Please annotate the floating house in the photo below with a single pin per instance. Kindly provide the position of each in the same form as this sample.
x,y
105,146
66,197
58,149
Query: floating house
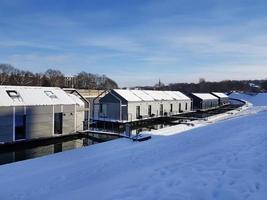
x,y
120,105
39,112
223,98
204,101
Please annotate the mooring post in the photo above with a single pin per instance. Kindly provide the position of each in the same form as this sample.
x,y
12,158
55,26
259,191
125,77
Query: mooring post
x,y
128,130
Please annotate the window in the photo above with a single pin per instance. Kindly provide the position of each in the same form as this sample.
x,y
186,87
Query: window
x,y
149,110
171,108
185,106
13,94
20,127
161,109
180,109
137,112
101,108
50,94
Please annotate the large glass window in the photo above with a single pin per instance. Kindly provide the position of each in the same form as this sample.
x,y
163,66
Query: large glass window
x,y
58,123
20,127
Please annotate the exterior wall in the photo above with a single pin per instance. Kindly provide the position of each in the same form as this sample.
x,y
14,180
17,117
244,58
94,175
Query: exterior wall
x,y
197,103
128,109
69,119
155,108
200,104
80,117
39,120
112,108
208,104
6,124
224,101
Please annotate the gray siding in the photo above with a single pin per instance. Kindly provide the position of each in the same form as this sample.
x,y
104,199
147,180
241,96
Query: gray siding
x,y
68,119
6,124
39,121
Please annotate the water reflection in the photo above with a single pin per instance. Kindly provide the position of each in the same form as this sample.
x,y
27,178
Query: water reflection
x,y
14,155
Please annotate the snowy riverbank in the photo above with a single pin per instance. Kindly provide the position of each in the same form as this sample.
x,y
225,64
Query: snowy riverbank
x,y
222,160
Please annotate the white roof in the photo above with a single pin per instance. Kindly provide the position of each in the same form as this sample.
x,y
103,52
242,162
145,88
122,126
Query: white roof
x,y
205,96
159,95
150,95
142,95
128,95
220,94
177,95
31,96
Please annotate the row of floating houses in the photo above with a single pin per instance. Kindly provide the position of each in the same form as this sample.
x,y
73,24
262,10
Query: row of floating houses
x,y
132,105
43,112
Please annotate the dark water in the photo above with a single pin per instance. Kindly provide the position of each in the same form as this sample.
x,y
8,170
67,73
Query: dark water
x,y
25,152
14,154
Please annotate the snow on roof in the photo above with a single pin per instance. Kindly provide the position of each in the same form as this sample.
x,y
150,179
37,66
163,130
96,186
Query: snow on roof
x,y
142,95
127,95
159,95
77,99
220,94
150,95
205,96
177,95
32,96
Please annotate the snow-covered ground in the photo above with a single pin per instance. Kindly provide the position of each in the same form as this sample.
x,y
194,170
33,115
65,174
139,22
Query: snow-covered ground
x,y
223,160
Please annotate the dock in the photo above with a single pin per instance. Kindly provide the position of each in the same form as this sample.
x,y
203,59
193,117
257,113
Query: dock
x,y
137,137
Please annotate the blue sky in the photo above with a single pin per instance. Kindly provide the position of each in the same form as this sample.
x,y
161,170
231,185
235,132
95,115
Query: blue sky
x,y
137,42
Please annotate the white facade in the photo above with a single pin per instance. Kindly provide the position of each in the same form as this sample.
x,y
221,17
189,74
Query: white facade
x,y
143,104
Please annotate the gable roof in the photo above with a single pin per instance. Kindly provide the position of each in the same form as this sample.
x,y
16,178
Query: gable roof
x,y
128,95
177,95
150,95
159,95
220,94
32,96
205,96
142,95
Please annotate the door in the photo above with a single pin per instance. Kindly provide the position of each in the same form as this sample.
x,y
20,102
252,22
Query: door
x,y
20,127
138,112
58,122
149,110
161,109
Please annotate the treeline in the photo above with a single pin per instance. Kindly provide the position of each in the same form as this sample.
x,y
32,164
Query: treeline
x,y
222,86
10,75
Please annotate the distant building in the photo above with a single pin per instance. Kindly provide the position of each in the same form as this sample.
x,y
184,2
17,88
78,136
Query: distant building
x,y
120,105
70,81
204,101
223,98
38,112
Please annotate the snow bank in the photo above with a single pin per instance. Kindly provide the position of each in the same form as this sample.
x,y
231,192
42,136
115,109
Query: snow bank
x,y
259,99
225,160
